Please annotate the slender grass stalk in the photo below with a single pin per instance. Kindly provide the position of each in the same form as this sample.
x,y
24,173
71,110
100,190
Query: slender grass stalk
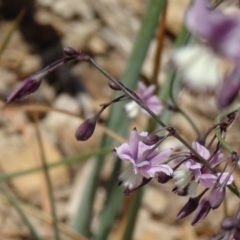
x,y
12,30
135,206
119,124
64,161
48,179
43,216
15,204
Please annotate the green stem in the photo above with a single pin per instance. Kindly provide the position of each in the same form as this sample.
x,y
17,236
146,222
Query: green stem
x,y
21,214
48,180
132,217
218,130
68,160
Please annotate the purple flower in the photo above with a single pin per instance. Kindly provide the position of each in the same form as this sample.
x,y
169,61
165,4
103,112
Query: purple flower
x,y
218,29
146,94
145,162
196,173
220,33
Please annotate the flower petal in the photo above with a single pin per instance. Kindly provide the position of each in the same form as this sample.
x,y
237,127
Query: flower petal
x,y
133,143
217,28
201,150
129,179
124,153
152,170
192,61
161,157
207,180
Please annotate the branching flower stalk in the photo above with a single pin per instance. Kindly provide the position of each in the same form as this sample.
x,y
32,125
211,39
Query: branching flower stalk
x,y
200,163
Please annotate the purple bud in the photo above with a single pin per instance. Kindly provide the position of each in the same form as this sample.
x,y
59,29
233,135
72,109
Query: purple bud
x,y
229,89
219,236
32,83
114,86
70,52
216,196
163,177
188,208
236,234
181,191
202,211
86,129
26,87
151,139
229,223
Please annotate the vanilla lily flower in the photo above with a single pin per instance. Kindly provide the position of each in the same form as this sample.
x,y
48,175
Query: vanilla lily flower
x,y
146,94
145,162
220,36
196,173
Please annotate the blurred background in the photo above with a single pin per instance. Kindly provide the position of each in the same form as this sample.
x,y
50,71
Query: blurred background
x,y
89,205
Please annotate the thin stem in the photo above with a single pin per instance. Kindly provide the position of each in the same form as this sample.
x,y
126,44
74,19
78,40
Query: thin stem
x,y
9,35
218,130
64,161
177,108
48,179
160,40
21,213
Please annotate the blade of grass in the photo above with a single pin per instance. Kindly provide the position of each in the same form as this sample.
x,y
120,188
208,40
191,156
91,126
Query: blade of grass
x,y
116,122
10,33
15,204
136,202
28,209
63,161
132,217
130,75
47,177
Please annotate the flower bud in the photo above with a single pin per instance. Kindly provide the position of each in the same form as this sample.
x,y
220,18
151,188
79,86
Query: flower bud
x,y
26,87
229,223
219,236
181,191
114,86
202,211
188,208
216,196
163,177
229,89
236,234
70,52
86,129
151,139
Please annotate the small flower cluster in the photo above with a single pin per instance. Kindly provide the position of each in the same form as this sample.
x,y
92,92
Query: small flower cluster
x,y
219,34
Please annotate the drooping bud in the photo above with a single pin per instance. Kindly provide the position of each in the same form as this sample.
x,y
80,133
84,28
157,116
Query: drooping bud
x,y
26,87
151,139
202,211
236,234
114,86
219,236
86,129
229,223
181,191
188,208
230,88
216,196
163,177
69,52
32,83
